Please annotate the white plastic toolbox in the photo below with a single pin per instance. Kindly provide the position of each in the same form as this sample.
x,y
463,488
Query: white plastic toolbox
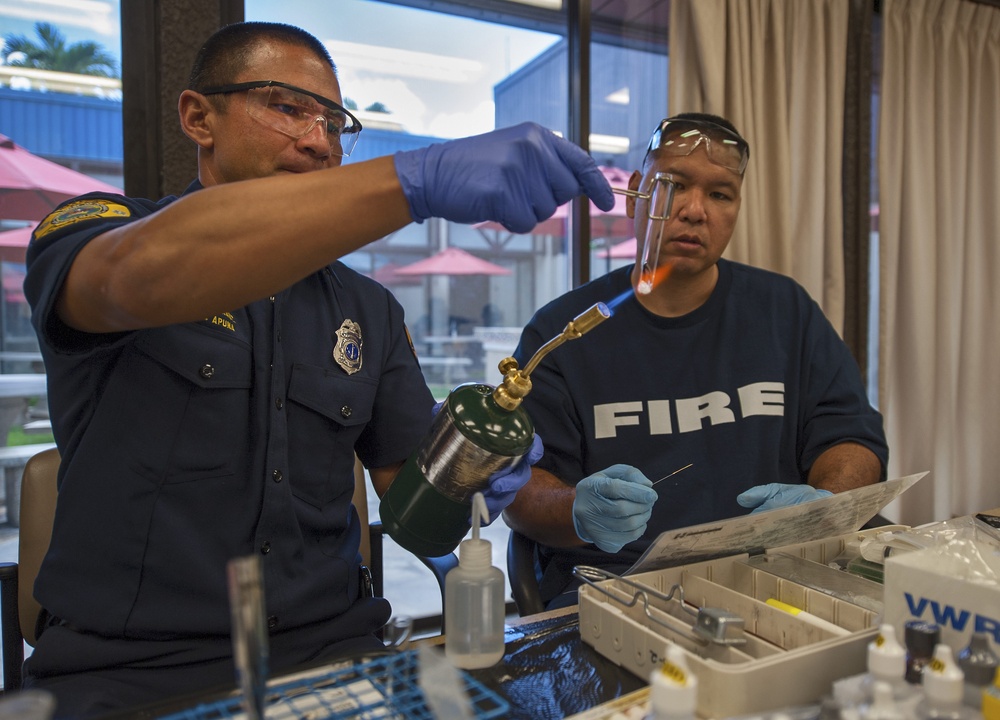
x,y
786,661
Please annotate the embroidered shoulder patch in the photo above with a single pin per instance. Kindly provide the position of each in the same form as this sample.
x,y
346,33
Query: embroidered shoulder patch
x,y
409,339
80,211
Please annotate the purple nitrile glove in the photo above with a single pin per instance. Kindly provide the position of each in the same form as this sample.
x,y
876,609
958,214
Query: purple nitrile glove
x,y
516,176
504,484
612,507
777,495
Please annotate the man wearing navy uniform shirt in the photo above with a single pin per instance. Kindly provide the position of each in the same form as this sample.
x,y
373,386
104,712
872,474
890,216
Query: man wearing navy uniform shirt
x,y
213,370
727,371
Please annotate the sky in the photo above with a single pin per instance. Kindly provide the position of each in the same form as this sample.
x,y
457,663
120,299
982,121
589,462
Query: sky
x,y
435,73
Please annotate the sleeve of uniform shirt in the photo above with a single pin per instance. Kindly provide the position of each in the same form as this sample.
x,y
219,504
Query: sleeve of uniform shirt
x,y
53,247
401,414
550,402
834,401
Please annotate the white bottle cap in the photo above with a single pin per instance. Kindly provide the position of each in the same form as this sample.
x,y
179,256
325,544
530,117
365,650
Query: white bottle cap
x,y
886,657
673,688
943,680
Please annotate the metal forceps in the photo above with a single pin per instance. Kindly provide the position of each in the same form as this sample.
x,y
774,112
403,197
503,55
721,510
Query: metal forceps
x,y
710,625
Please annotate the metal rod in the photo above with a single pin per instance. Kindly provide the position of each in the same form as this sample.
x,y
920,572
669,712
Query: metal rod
x,y
673,473
250,643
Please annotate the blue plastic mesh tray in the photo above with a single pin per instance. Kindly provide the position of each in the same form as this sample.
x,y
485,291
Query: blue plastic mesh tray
x,y
383,687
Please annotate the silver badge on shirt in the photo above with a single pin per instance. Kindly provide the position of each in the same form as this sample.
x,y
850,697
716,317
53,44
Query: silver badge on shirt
x,y
347,352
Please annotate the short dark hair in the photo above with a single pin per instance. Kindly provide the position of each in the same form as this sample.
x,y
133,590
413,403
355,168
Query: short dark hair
x,y
706,117
227,52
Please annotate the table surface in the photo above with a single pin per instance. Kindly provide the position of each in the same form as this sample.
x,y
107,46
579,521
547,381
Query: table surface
x,y
22,385
547,672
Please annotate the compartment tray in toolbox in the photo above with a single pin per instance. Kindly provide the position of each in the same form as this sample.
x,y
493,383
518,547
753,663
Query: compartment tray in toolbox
x,y
787,661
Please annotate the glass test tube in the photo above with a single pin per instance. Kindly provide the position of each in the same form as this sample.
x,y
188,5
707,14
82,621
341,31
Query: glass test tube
x,y
661,200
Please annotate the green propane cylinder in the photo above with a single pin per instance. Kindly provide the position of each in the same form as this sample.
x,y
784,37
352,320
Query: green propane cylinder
x,y
479,431
427,507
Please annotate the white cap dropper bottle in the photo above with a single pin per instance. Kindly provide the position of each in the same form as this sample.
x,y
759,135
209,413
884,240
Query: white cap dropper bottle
x,y
673,693
474,601
887,663
944,686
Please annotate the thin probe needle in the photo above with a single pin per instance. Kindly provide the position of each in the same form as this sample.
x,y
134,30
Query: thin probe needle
x,y
672,474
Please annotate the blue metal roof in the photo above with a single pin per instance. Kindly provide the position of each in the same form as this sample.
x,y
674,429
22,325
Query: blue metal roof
x,y
537,92
60,126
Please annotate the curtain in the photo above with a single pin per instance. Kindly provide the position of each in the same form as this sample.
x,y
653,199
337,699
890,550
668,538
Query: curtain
x,y
776,69
938,160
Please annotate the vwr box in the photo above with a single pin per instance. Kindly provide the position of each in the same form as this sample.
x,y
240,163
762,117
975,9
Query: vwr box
x,y
928,585
778,660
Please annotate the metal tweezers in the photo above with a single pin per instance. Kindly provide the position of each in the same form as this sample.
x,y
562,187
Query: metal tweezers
x,y
711,625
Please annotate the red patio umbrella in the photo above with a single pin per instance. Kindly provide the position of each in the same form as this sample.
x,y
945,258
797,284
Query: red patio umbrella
x,y
13,283
387,275
31,186
14,244
452,261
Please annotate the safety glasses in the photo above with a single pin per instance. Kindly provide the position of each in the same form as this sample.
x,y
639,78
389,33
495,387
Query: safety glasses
x,y
294,112
681,137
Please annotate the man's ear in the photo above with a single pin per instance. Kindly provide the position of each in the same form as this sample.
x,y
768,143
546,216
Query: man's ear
x,y
195,112
633,184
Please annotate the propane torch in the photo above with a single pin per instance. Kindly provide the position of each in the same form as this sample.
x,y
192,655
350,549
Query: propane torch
x,y
479,431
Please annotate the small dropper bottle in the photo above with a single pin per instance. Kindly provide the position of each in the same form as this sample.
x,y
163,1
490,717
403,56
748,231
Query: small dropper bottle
x,y
979,665
883,705
943,683
920,638
887,663
673,693
474,601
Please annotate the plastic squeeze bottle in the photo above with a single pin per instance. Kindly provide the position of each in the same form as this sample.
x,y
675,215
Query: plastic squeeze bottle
x,y
673,692
474,601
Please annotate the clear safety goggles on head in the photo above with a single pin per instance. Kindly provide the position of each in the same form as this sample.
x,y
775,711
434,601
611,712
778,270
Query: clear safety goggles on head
x,y
294,112
681,137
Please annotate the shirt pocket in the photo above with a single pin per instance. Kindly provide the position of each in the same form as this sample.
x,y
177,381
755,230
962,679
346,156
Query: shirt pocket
x,y
327,412
201,392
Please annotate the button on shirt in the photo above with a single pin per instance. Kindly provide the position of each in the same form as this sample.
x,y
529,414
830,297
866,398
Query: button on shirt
x,y
185,446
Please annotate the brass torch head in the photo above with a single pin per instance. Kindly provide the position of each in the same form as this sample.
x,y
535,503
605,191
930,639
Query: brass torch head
x,y
588,320
516,383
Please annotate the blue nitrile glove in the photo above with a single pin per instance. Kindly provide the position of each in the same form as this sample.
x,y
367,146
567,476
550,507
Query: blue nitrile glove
x,y
612,507
777,495
504,484
515,176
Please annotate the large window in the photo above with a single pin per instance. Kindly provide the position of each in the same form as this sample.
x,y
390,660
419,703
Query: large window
x,y
416,77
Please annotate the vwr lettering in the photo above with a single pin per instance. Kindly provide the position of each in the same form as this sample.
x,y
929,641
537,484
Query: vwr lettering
x,y
943,614
762,398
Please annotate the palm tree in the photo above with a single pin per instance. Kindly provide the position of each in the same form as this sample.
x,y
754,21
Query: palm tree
x,y
82,58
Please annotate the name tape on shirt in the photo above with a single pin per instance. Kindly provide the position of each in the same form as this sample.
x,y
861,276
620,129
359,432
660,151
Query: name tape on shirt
x,y
80,211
